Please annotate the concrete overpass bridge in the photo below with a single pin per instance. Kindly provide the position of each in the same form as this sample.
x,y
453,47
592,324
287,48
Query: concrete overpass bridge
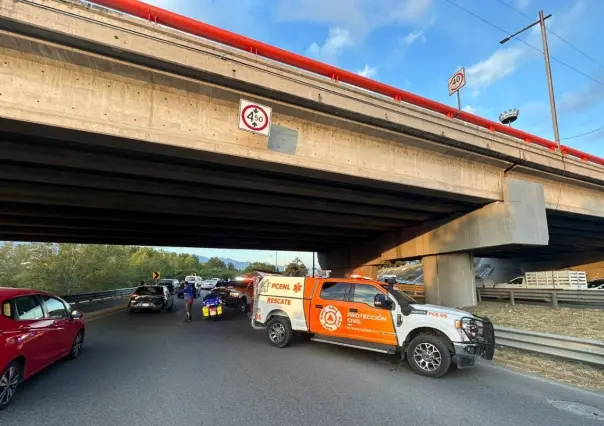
x,y
117,130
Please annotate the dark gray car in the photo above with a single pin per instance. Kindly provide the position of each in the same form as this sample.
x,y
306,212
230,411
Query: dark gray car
x,y
151,298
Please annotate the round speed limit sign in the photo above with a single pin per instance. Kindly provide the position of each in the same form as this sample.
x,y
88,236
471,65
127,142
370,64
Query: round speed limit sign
x,y
254,117
457,81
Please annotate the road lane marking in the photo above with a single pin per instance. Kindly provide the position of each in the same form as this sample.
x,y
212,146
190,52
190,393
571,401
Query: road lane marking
x,y
106,315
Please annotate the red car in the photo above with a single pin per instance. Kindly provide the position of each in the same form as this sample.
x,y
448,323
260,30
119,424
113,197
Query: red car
x,y
36,329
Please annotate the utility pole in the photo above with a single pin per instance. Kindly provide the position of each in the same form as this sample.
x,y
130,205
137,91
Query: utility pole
x,y
548,69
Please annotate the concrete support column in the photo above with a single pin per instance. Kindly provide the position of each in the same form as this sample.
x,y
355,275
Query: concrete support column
x,y
449,280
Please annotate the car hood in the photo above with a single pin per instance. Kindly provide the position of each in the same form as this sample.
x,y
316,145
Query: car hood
x,y
444,310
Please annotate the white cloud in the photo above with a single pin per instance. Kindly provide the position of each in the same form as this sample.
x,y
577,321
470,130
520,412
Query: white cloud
x,y
336,42
522,4
413,36
565,24
358,16
500,64
584,98
506,60
470,109
368,71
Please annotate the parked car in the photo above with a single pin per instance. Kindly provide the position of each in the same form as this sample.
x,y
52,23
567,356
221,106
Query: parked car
x,y
36,329
151,298
209,285
180,291
171,283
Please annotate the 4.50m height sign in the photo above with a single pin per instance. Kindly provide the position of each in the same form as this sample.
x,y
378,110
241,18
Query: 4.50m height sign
x,y
254,117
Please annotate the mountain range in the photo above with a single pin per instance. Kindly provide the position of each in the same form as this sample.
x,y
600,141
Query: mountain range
x,y
238,265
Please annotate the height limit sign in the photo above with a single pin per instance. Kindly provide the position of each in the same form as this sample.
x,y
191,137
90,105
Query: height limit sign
x,y
254,117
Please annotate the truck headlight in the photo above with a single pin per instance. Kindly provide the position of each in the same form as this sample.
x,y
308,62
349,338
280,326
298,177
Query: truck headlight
x,y
234,294
468,327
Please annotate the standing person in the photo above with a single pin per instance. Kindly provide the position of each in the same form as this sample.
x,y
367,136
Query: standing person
x,y
189,295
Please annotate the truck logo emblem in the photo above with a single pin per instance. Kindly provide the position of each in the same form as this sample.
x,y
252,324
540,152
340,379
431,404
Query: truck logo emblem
x,y
330,318
297,287
264,287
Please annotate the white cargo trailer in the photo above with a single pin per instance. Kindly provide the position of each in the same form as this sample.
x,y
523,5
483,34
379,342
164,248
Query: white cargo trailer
x,y
563,280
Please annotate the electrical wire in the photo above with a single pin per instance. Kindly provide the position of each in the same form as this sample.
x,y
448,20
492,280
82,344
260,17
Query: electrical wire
x,y
552,33
583,134
524,42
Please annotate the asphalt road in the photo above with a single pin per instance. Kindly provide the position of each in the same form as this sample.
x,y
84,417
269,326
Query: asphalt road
x,y
100,305
150,369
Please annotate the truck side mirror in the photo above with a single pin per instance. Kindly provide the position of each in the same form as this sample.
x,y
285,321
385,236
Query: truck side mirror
x,y
406,309
381,301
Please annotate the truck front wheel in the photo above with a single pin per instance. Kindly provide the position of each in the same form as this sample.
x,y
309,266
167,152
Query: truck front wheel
x,y
242,306
279,332
429,356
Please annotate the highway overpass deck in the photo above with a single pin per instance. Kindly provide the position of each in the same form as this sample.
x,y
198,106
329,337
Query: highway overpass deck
x,y
116,130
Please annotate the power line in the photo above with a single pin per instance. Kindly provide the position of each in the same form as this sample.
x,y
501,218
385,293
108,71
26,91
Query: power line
x,y
524,42
583,134
553,33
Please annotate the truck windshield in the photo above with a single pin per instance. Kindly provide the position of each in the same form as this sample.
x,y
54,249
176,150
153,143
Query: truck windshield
x,y
401,297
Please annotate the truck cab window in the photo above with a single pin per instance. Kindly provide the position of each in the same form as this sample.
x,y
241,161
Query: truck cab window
x,y
364,293
334,291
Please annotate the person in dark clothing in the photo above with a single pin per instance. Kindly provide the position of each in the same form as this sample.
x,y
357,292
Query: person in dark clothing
x,y
189,295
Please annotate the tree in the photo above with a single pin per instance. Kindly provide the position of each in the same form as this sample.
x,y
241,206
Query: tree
x,y
76,268
296,268
215,263
261,266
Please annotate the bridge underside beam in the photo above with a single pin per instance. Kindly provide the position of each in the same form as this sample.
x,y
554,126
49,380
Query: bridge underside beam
x,y
446,249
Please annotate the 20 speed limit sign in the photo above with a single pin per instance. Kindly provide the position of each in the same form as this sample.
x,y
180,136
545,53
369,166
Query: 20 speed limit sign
x,y
254,117
457,81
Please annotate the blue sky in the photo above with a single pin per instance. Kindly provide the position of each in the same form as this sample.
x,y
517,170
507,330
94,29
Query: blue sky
x,y
417,44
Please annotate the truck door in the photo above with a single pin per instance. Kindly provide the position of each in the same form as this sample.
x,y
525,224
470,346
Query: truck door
x,y
367,322
328,309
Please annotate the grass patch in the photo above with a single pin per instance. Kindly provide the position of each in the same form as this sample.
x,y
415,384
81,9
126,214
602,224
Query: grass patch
x,y
570,372
582,323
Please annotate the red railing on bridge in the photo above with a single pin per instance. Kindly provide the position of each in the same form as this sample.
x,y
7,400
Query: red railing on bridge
x,y
192,26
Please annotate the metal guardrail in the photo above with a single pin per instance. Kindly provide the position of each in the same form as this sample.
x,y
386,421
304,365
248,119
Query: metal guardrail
x,y
593,298
415,291
89,297
590,351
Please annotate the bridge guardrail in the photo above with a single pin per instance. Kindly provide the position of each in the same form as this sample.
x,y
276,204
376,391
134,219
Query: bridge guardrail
x,y
590,351
593,298
191,26
415,291
99,295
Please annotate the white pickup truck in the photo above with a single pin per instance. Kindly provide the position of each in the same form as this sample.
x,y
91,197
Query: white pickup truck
x,y
358,312
563,280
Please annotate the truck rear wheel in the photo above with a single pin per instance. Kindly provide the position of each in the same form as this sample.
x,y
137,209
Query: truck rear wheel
x,y
279,332
429,356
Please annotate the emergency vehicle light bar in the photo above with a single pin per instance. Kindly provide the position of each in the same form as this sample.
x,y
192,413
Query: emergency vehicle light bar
x,y
359,277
